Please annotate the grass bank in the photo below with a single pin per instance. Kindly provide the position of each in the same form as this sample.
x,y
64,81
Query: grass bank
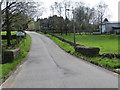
x,y
104,62
24,46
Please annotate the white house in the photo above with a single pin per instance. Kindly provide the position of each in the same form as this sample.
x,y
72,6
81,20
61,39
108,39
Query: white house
x,y
110,27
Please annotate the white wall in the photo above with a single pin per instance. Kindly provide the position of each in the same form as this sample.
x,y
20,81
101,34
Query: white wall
x,y
110,25
103,28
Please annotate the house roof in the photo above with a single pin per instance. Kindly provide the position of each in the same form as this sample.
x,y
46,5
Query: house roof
x,y
113,22
116,27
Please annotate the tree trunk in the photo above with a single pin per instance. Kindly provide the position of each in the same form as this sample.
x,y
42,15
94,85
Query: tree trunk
x,y
8,38
101,24
8,25
61,31
66,28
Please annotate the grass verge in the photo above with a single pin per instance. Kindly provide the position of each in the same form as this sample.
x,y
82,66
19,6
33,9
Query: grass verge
x,y
110,64
6,68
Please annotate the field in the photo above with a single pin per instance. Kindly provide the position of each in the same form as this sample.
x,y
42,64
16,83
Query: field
x,y
106,43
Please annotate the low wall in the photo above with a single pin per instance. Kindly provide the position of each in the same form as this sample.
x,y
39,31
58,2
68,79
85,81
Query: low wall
x,y
110,55
12,37
10,55
88,51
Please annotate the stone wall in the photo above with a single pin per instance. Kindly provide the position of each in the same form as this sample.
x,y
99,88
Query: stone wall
x,y
12,37
110,55
88,51
10,55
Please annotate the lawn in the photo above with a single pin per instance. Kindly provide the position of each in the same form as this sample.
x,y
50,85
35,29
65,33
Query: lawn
x,y
8,67
12,32
106,43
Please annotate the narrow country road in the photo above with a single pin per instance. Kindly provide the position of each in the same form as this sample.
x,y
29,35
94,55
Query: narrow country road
x,y
48,66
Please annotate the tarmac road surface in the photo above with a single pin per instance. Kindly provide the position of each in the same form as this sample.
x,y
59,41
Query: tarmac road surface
x,y
48,66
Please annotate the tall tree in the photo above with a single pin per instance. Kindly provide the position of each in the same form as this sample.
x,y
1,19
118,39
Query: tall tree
x,y
0,31
66,5
85,17
14,12
57,8
101,9
1,14
52,8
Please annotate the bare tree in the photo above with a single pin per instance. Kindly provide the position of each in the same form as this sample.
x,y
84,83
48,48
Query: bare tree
x,y
84,17
1,14
52,9
56,8
0,30
101,9
66,5
59,10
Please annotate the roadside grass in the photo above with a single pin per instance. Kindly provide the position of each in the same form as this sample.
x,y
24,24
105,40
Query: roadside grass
x,y
109,63
106,43
62,44
24,46
105,62
12,32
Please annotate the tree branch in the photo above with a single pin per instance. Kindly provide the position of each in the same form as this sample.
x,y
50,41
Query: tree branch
x,y
7,7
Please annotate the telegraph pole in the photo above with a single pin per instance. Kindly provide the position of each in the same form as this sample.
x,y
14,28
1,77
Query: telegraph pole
x,y
74,36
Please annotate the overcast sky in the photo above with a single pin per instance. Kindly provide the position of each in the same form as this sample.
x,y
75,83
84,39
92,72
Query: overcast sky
x,y
112,6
